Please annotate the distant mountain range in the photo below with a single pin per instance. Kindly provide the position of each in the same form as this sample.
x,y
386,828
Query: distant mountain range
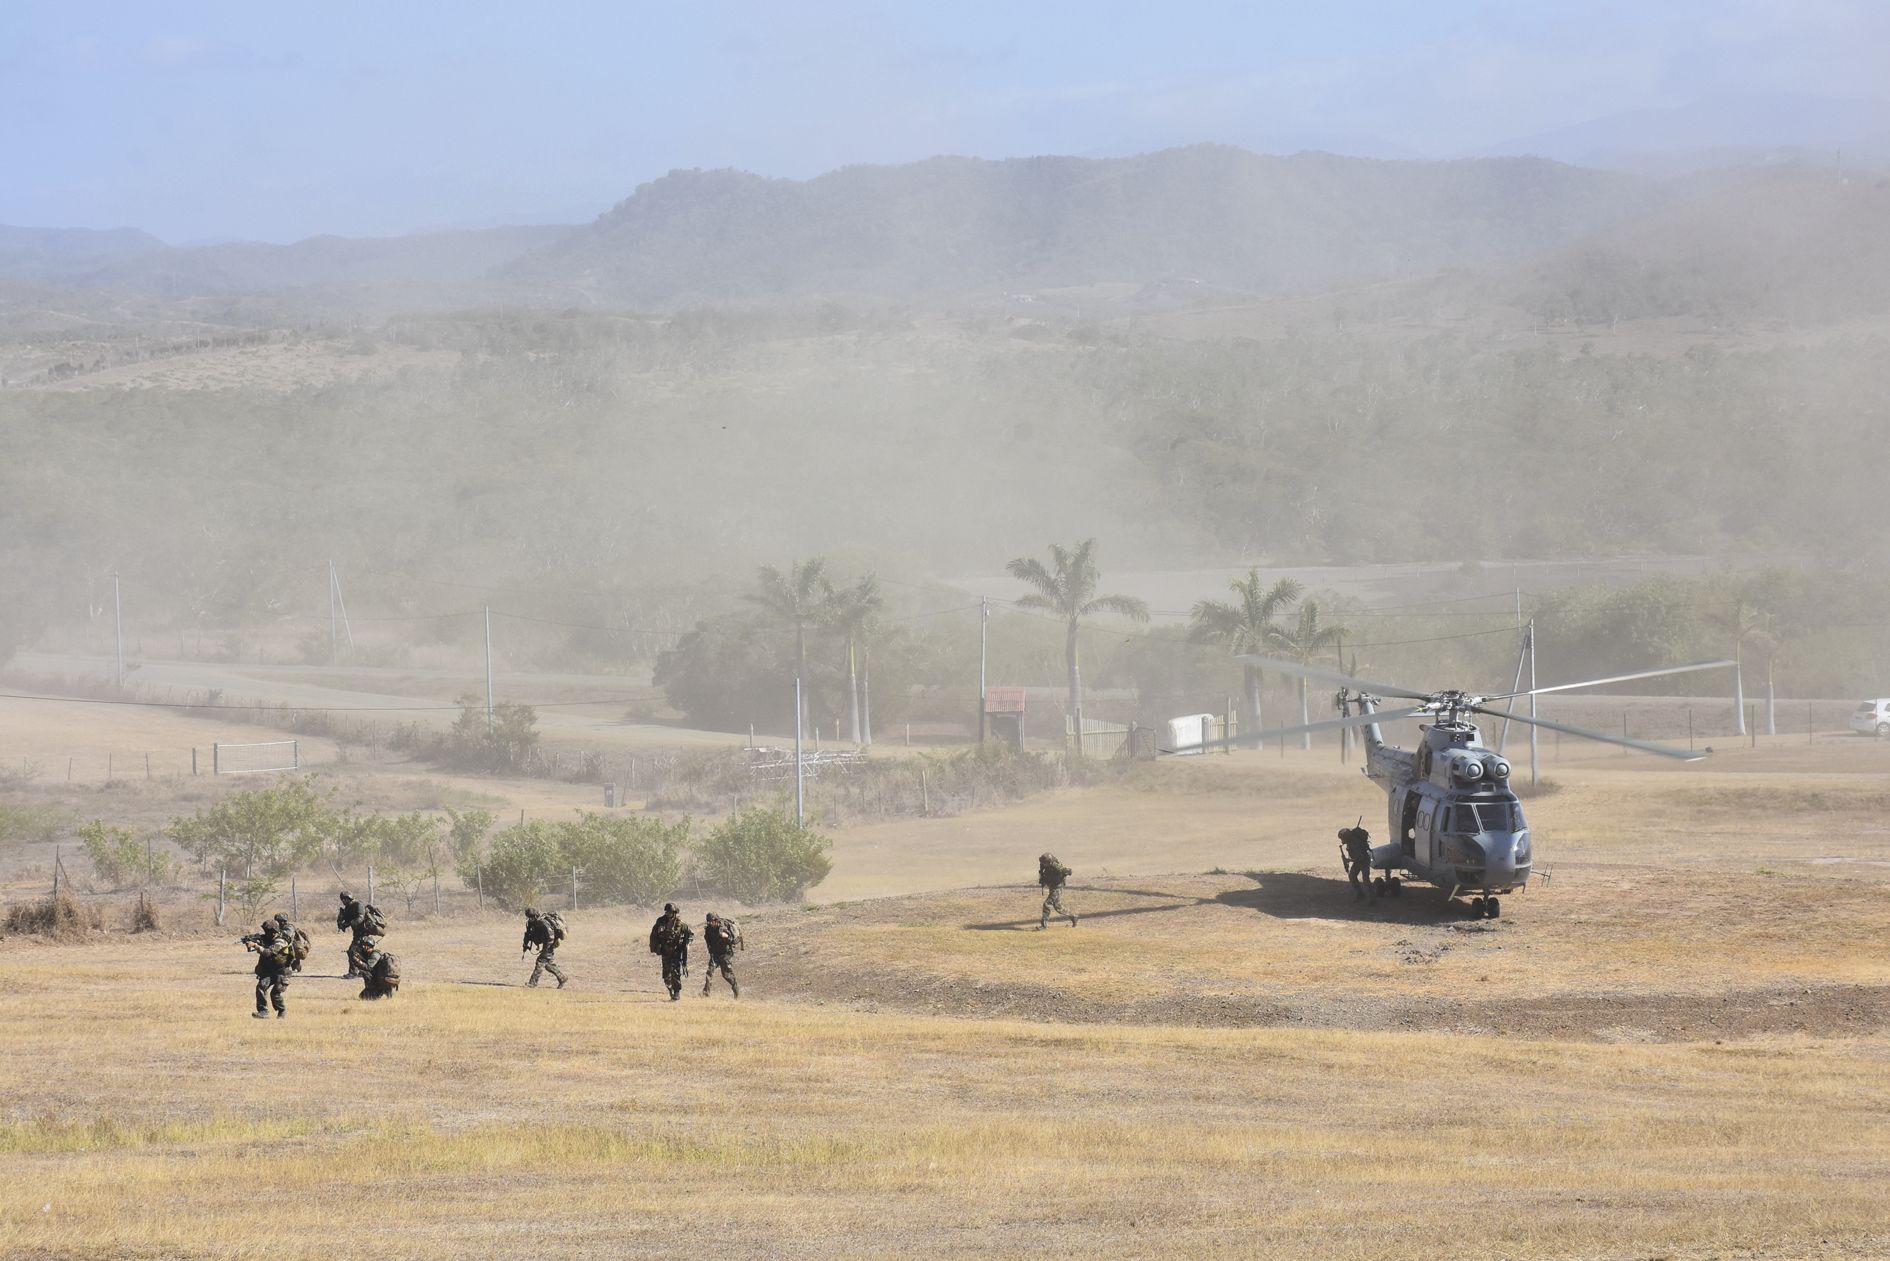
x,y
1207,220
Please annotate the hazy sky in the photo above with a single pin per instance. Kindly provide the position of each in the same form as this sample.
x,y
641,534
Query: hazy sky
x,y
276,121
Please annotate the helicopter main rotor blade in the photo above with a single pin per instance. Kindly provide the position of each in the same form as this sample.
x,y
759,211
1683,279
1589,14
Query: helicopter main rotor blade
x,y
1331,724
1280,666
1645,746
1619,678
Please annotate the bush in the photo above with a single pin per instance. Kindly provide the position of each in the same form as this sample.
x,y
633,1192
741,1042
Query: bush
x,y
60,918
525,860
625,859
275,829
120,860
507,745
762,855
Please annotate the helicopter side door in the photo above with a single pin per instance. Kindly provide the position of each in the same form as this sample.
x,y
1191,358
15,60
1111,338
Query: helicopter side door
x,y
1408,823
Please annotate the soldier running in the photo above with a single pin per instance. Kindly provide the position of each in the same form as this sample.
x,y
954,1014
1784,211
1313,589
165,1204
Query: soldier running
x,y
724,938
546,932
1051,874
670,938
274,955
1357,851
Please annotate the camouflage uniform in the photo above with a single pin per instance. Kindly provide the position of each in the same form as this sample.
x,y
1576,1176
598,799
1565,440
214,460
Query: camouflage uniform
x,y
1358,862
723,938
353,917
539,933
364,949
380,972
1051,874
670,938
274,954
298,941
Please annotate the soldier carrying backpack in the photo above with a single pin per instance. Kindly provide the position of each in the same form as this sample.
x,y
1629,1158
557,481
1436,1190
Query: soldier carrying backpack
x,y
546,932
380,972
299,944
1051,874
670,938
364,922
274,956
723,937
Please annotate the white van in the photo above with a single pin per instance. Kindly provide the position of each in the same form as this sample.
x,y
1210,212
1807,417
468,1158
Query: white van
x,y
1872,718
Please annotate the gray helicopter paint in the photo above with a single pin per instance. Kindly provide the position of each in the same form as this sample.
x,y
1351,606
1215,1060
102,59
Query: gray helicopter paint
x,y
1435,801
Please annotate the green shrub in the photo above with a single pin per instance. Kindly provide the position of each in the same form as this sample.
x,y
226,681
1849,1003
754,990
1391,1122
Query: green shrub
x,y
120,859
762,855
526,859
625,858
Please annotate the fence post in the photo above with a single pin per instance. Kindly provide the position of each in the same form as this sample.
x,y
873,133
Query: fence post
x,y
295,753
1752,723
925,795
574,904
216,758
193,761
1808,721
295,900
108,768
436,890
1689,728
56,867
222,875
147,766
69,768
370,884
479,880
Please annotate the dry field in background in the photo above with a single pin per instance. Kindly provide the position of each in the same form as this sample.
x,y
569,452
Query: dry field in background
x,y
1678,1047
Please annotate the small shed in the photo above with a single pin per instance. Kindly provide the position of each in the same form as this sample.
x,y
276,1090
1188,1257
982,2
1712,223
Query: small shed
x,y
1004,714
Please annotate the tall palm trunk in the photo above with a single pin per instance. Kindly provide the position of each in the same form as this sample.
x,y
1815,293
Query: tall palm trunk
x,y
1305,716
1739,694
1253,705
866,697
853,688
1076,685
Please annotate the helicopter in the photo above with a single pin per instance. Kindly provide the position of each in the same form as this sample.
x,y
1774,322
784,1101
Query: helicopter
x,y
1455,821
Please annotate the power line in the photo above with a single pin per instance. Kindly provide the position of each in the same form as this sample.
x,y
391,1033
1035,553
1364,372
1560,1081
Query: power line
x,y
285,707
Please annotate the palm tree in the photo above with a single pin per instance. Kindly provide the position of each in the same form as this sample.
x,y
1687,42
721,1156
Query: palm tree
x,y
1245,626
1305,639
851,610
795,599
1067,588
1743,623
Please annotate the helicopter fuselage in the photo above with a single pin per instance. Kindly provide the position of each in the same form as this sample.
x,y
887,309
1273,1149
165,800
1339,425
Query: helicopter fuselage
x,y
1452,816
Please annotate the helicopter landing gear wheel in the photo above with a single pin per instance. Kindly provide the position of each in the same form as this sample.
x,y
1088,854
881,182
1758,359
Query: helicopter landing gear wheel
x,y
1476,908
1394,886
1883,730
1492,908
1378,885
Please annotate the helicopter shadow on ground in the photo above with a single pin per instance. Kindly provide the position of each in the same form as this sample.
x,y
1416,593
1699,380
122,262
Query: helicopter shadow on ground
x,y
1302,895
1172,902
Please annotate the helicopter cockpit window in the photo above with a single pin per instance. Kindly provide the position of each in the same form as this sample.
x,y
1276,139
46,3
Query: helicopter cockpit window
x,y
1484,816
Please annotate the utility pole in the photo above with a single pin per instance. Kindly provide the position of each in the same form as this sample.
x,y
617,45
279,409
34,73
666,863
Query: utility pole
x,y
800,790
984,621
1534,731
118,619
488,669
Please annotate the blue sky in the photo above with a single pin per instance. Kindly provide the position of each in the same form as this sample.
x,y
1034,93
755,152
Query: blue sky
x,y
277,121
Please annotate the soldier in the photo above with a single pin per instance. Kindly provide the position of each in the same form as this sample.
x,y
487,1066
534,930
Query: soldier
x,y
1357,856
670,937
380,971
298,941
363,921
546,932
724,938
273,959
1051,874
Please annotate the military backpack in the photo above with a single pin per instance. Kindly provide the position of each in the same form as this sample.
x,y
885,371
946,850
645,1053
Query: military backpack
x,y
373,920
554,925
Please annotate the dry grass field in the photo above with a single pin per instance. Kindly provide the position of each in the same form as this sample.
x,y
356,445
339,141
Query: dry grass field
x,y
1679,1046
